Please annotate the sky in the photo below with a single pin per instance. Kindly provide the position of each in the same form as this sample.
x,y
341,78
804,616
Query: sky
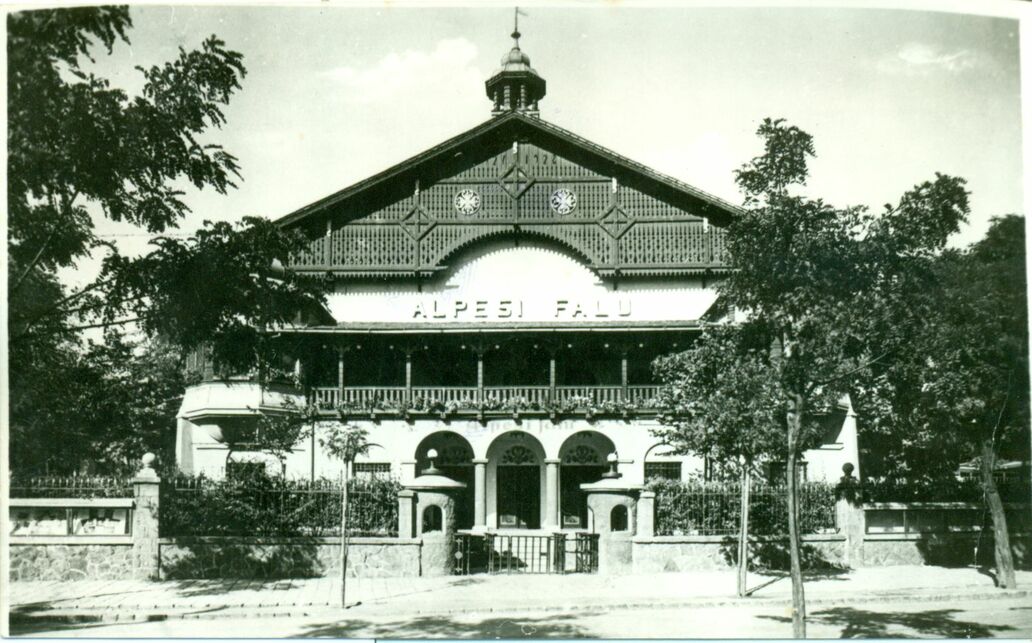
x,y
335,94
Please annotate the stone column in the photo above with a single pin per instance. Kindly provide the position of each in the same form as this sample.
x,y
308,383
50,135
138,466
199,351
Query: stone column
x,y
615,548
435,490
646,515
406,527
146,554
480,494
552,493
849,517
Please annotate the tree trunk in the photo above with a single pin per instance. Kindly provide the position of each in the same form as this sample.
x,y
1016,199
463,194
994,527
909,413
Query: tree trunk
x,y
795,420
743,532
344,535
1001,538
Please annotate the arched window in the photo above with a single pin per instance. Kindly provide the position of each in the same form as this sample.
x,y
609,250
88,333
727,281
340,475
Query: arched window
x,y
433,519
618,518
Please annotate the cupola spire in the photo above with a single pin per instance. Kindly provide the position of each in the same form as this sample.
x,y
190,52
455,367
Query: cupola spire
x,y
516,87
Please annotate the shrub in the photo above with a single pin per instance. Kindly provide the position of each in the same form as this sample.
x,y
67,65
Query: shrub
x,y
260,505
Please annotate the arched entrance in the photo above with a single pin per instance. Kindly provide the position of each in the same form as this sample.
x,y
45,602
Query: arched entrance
x,y
583,460
454,460
517,457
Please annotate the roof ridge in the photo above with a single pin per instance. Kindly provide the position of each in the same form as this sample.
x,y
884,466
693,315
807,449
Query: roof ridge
x,y
494,123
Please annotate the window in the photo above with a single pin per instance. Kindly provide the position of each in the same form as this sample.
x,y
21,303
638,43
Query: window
x,y
370,470
618,518
663,470
432,519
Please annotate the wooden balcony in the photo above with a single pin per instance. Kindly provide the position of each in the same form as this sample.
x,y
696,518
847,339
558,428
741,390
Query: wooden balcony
x,y
432,400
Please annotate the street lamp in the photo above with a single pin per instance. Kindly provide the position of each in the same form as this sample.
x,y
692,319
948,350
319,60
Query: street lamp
x,y
431,455
612,473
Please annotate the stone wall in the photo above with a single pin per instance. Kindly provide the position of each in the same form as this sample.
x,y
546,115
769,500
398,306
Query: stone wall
x,y
70,561
287,557
690,553
941,549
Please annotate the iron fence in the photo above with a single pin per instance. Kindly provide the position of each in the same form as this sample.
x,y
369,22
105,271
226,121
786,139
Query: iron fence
x,y
70,487
264,506
700,508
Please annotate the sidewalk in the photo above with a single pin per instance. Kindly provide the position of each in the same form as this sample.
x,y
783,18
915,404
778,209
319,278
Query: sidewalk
x,y
139,600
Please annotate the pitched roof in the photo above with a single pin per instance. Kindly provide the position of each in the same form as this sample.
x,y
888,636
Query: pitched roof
x,y
498,133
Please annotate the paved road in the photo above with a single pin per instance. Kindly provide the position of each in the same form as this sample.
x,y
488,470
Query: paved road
x,y
1010,618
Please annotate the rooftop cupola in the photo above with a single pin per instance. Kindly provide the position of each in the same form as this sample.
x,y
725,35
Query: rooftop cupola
x,y
515,87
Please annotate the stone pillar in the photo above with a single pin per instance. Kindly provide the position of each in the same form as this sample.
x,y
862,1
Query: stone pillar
x,y
552,493
646,515
436,492
146,555
480,494
615,546
406,509
849,517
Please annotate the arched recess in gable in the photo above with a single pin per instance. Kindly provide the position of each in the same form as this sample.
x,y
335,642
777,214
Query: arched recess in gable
x,y
588,254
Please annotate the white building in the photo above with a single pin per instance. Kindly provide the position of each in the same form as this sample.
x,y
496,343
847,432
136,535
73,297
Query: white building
x,y
498,298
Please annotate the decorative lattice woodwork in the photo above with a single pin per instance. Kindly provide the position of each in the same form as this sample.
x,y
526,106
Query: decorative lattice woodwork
x,y
615,228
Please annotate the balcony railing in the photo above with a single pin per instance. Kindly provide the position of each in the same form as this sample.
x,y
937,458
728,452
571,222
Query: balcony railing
x,y
624,399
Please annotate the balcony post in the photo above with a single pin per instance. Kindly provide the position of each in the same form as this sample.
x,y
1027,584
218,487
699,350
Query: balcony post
x,y
551,376
623,375
408,374
480,373
340,373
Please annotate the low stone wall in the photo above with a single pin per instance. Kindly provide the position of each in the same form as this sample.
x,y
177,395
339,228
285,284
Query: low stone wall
x,y
941,549
690,553
67,560
227,557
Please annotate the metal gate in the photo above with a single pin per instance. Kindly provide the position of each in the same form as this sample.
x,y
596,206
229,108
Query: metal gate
x,y
524,554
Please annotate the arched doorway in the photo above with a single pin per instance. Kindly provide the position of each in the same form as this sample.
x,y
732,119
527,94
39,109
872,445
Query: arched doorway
x,y
454,460
583,460
517,457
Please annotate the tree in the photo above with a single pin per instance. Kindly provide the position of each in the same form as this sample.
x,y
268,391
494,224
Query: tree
x,y
963,379
826,285
96,407
80,149
719,400
345,442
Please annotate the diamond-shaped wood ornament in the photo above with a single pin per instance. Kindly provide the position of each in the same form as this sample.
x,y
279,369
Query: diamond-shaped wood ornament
x,y
615,221
417,222
515,182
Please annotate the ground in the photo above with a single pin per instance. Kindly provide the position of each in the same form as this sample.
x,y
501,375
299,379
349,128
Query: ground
x,y
1010,618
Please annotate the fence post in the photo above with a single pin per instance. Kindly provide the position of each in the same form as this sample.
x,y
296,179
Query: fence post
x,y
849,516
405,503
146,555
646,514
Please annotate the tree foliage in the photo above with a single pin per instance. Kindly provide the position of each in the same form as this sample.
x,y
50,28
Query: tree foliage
x,y
75,141
827,286
959,387
98,409
81,150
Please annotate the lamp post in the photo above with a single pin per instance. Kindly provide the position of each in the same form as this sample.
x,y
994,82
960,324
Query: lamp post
x,y
612,474
432,470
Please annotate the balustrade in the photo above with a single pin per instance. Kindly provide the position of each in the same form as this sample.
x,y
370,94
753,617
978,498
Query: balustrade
x,y
536,397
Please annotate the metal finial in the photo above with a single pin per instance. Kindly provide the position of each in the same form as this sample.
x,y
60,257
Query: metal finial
x,y
516,27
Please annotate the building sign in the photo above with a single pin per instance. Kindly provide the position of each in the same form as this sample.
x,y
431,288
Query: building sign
x,y
569,309
526,284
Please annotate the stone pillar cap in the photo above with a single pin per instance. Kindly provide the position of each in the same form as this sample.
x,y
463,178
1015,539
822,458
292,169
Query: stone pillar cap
x,y
611,485
434,483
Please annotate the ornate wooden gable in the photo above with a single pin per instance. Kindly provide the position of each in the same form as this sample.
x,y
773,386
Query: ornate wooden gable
x,y
519,177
